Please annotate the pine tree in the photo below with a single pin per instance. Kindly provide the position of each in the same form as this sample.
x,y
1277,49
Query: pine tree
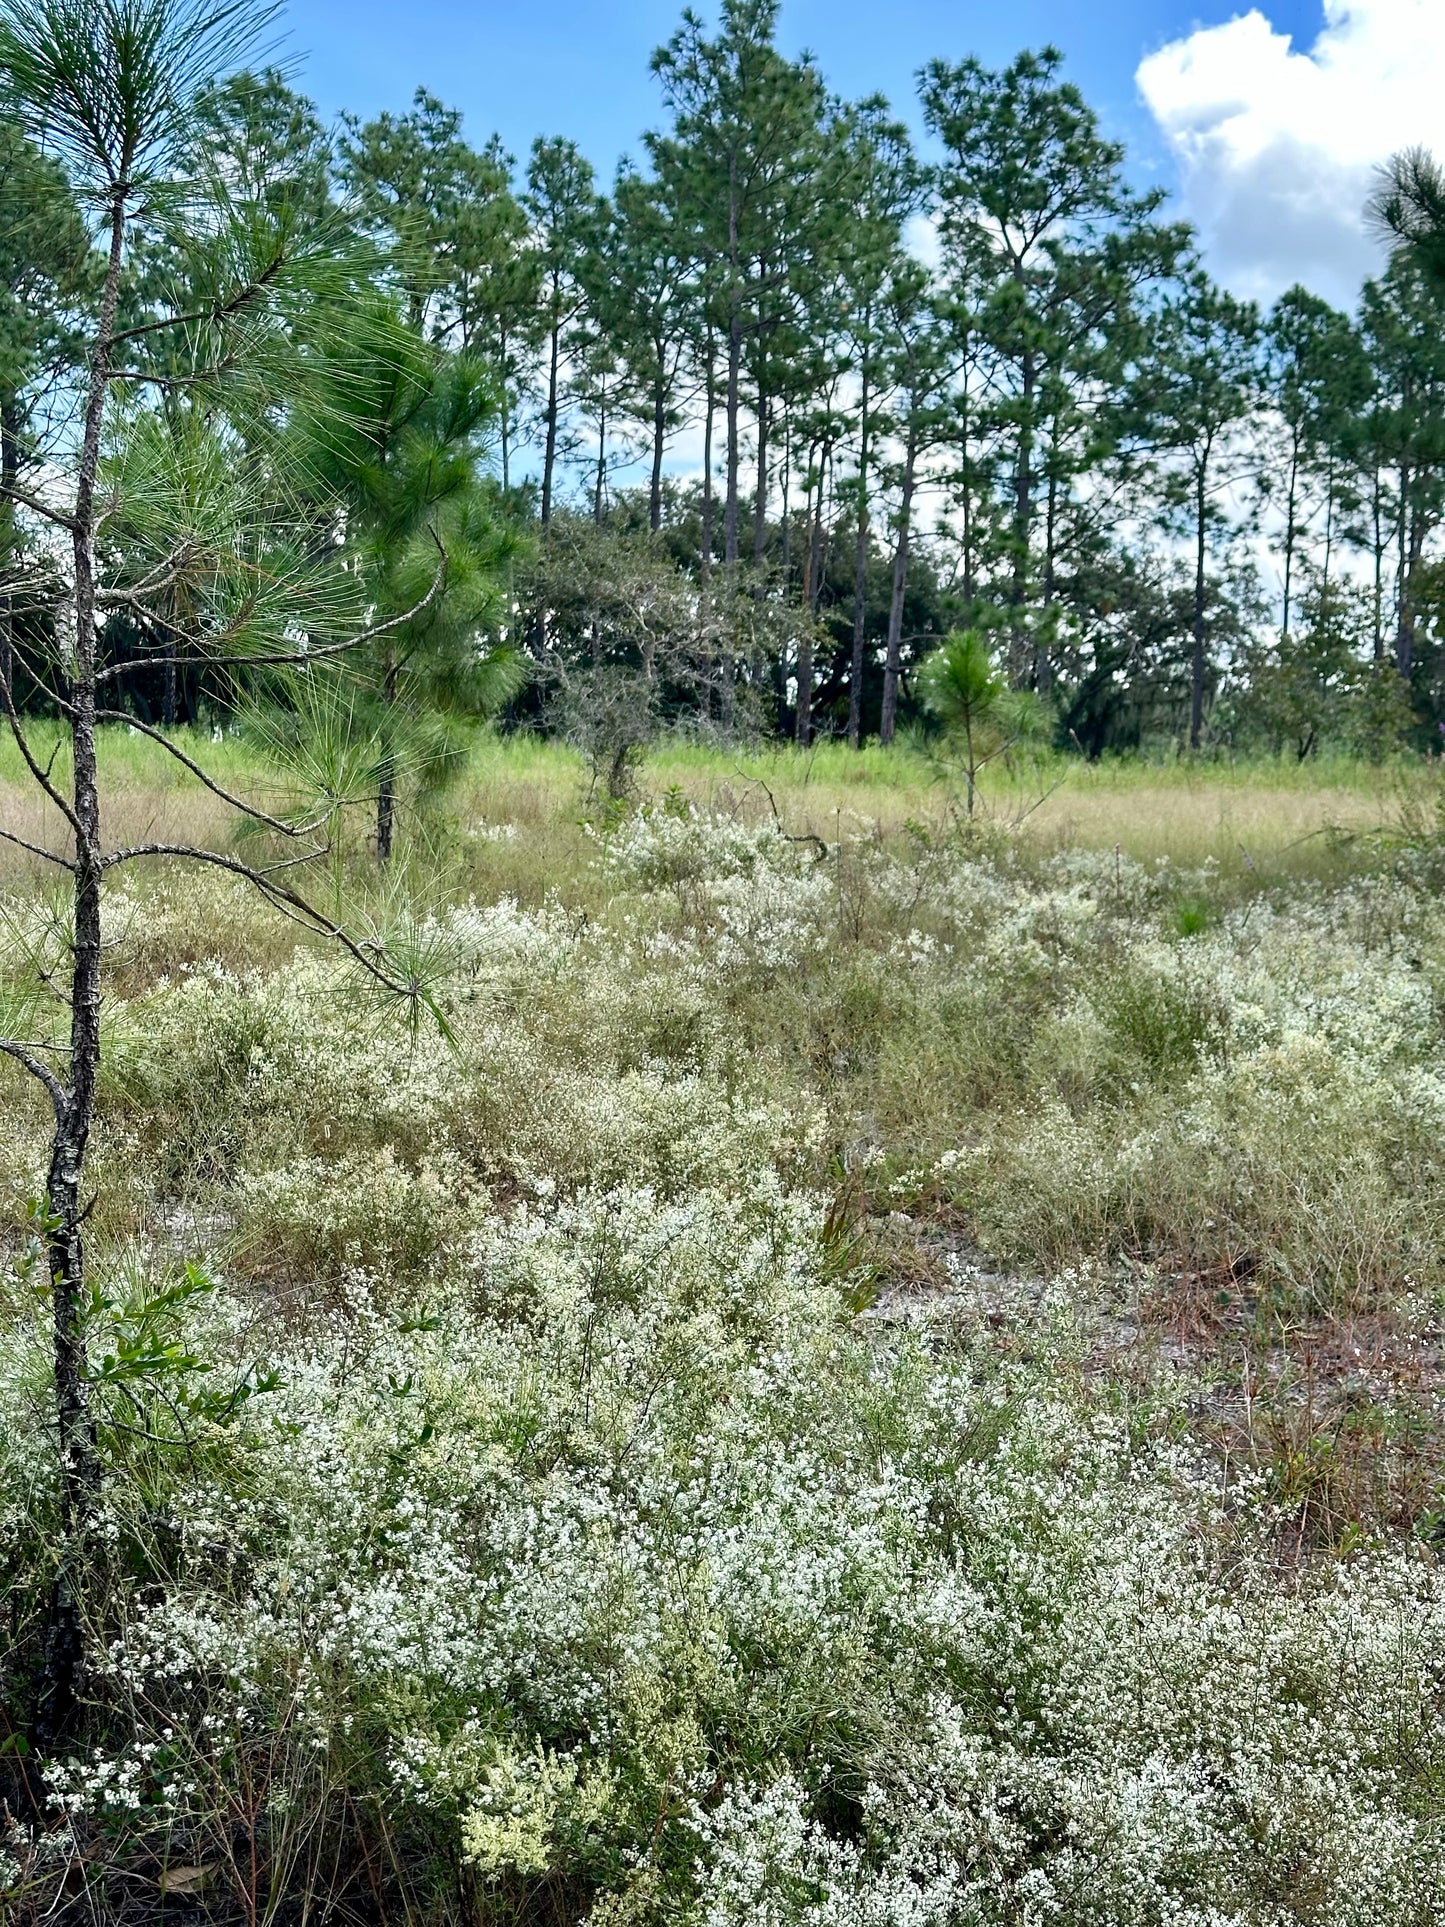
x,y
566,216
1198,388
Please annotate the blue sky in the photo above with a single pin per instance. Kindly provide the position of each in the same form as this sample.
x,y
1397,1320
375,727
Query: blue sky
x,y
1267,120
580,68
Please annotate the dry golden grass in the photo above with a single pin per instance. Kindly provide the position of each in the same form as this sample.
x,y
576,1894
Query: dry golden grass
x,y
1238,814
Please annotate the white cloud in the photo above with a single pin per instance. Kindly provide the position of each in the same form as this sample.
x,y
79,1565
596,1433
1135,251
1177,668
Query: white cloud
x,y
1277,145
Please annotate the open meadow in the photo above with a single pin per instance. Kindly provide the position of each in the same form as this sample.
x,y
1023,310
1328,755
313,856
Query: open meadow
x,y
849,1366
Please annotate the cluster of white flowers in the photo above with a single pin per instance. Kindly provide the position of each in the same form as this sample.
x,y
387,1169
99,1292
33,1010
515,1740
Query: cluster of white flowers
x,y
657,848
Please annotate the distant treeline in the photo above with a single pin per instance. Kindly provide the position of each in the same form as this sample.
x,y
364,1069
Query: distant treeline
x,y
786,405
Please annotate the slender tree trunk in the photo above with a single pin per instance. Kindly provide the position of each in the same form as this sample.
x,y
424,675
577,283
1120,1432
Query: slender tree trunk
x,y
1405,648
1404,618
386,789
1379,546
710,411
803,719
760,506
549,457
10,423
785,560
967,497
893,662
735,363
1329,527
860,570
812,592
1196,703
80,1473
732,405
659,443
1023,518
1289,538
168,670
968,577
826,500
599,486
780,677
506,418
1043,659
803,713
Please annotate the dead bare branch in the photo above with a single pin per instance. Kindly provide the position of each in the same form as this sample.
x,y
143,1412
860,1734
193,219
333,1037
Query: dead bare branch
x,y
25,1056
252,810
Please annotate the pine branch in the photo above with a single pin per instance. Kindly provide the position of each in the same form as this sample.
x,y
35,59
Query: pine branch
x,y
237,803
42,776
285,899
25,1056
298,658
218,311
9,836
27,501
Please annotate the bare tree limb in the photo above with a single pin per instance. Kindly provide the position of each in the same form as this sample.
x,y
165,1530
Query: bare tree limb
x,y
236,802
9,836
280,894
24,1056
42,776
259,873
36,506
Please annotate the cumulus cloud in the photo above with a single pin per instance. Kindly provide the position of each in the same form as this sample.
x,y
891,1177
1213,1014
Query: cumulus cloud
x,y
1277,144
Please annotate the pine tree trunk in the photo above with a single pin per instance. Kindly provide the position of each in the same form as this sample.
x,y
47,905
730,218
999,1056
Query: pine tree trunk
x,y
785,559
386,789
892,667
1289,539
1196,703
1023,519
760,506
1404,618
816,553
860,575
505,423
1043,658
705,548
80,1471
659,442
599,487
549,458
1379,649
733,404
10,422
812,519
735,362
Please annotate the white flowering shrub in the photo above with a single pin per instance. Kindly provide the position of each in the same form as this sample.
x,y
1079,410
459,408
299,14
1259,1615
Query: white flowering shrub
x,y
653,848
634,1565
